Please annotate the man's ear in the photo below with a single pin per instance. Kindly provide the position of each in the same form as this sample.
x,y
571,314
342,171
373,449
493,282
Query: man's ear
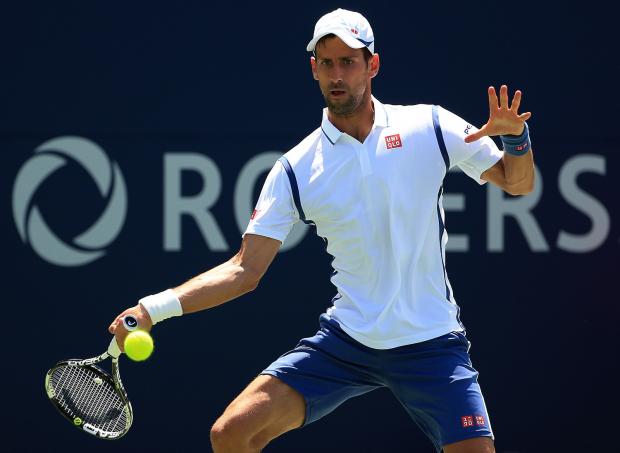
x,y
313,65
375,64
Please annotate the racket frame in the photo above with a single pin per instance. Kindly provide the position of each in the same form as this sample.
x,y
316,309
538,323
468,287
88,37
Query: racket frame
x,y
115,380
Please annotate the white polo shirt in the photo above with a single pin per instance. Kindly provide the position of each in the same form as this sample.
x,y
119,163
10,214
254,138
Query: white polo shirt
x,y
378,205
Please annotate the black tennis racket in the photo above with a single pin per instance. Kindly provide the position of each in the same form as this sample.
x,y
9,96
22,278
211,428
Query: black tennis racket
x,y
90,398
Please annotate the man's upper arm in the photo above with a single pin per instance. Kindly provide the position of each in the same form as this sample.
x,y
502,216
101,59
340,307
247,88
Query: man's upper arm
x,y
275,213
495,174
256,254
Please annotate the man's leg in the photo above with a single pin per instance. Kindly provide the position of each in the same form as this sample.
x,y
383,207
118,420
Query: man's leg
x,y
300,387
438,386
477,445
263,411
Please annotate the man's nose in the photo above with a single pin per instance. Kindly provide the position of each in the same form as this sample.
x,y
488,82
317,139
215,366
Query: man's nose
x,y
335,75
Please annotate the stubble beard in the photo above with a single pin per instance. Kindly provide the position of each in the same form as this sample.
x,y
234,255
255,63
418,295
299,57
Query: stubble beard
x,y
345,108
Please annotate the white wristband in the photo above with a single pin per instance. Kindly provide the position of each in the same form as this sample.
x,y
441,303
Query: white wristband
x,y
162,306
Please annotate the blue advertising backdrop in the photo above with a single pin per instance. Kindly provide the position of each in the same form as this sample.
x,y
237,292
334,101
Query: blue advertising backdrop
x,y
186,105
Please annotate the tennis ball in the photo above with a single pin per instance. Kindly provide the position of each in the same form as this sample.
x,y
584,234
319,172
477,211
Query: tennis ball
x,y
138,345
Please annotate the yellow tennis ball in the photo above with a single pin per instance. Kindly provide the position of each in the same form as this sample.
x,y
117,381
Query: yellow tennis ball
x,y
138,345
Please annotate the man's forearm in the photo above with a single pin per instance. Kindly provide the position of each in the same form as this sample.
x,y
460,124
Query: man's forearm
x,y
216,286
519,173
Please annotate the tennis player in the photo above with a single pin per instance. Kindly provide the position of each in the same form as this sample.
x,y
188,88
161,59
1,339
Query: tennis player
x,y
370,178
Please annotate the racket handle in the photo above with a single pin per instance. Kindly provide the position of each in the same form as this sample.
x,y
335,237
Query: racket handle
x,y
113,349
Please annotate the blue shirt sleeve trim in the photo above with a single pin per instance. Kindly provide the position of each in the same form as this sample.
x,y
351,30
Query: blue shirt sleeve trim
x,y
439,135
293,181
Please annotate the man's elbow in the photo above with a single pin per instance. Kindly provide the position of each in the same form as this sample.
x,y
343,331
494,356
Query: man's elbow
x,y
251,285
529,188
523,187
520,190
247,274
251,279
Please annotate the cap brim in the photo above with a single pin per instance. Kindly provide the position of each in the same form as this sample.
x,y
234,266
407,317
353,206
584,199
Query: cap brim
x,y
349,40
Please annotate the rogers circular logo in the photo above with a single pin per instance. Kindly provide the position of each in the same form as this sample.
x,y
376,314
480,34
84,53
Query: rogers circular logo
x,y
31,226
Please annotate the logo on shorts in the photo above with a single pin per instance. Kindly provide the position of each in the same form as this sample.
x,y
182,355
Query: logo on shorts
x,y
393,141
469,420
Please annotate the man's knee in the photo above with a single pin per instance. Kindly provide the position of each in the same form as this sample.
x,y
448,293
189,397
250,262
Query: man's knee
x,y
219,435
230,434
241,427
266,409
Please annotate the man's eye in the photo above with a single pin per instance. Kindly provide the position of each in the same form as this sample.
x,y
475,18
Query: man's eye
x,y
325,62
348,61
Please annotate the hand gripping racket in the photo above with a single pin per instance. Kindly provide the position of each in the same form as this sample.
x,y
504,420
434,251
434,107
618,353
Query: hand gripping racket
x,y
88,396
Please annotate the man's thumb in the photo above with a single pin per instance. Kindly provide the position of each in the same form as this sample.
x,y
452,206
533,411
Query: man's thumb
x,y
472,138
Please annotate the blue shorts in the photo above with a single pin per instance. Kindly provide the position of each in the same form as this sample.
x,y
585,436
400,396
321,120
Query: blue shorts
x,y
434,380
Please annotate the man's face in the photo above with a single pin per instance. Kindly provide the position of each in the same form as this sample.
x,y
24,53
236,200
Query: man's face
x,y
343,75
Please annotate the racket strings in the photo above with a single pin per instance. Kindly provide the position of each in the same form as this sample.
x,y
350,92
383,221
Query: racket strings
x,y
82,392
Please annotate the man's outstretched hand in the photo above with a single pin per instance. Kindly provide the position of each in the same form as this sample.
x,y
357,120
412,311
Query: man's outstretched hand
x,y
503,119
117,328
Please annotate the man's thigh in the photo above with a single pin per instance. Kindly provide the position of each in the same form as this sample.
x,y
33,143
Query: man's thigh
x,y
300,387
327,369
264,410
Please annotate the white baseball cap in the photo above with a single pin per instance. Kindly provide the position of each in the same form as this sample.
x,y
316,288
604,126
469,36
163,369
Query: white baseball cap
x,y
351,27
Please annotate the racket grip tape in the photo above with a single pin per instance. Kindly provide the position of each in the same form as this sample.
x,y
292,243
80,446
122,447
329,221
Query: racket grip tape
x,y
113,349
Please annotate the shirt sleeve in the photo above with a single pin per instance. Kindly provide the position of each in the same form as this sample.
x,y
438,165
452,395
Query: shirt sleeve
x,y
473,158
275,213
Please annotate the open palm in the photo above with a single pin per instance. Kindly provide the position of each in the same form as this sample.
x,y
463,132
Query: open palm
x,y
503,119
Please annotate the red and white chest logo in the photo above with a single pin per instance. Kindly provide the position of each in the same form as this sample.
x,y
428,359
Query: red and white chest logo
x,y
393,141
256,211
